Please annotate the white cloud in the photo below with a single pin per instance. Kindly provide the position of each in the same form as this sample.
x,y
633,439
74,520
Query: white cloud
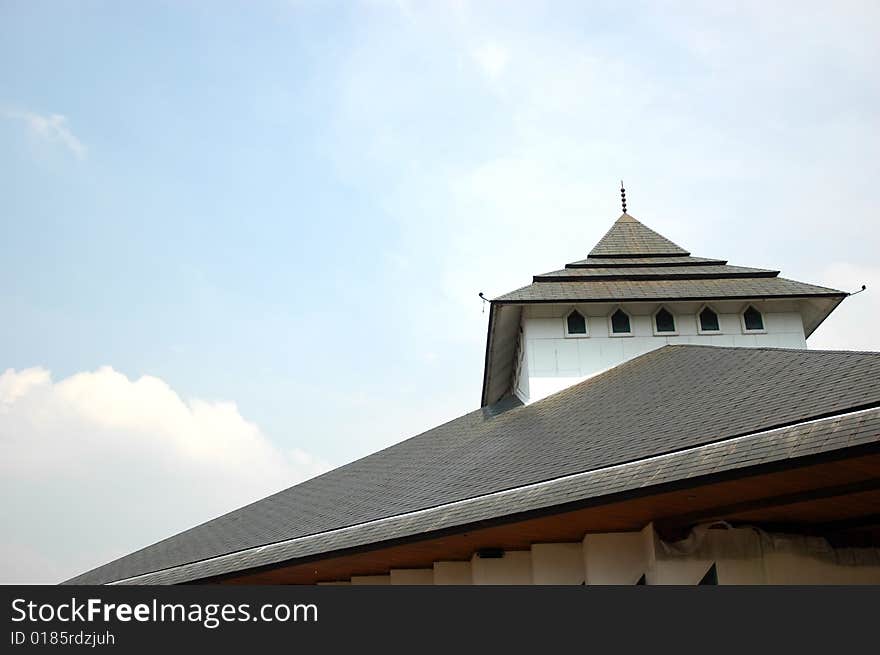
x,y
492,58
51,127
96,465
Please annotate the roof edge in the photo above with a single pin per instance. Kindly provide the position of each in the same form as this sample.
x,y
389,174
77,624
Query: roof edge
x,y
587,264
624,255
562,301
655,276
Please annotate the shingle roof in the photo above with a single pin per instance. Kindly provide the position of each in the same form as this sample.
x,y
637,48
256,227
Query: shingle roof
x,y
593,262
708,394
629,237
804,439
632,262
653,272
635,289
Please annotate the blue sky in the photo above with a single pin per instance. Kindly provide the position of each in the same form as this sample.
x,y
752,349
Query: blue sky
x,y
286,209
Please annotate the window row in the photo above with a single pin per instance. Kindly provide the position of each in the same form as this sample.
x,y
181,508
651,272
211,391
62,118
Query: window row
x,y
664,322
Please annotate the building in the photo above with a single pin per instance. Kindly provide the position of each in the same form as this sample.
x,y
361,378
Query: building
x,y
647,417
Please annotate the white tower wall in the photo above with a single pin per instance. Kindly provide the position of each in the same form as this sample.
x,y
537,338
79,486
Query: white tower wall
x,y
550,360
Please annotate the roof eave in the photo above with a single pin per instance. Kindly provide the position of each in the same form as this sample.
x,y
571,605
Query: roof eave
x,y
655,276
638,255
660,299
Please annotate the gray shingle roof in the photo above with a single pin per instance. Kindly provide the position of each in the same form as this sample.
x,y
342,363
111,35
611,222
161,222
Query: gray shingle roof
x,y
632,262
629,237
591,262
653,272
599,290
624,415
813,438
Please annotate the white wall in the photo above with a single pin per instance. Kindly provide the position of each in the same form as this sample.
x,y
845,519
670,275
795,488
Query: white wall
x,y
552,361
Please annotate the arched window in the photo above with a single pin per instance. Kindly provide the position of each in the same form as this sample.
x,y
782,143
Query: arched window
x,y
752,319
664,321
575,324
620,323
709,320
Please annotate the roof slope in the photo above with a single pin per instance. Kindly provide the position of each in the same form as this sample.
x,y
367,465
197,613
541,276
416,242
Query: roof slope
x,y
684,271
629,237
846,431
624,415
631,253
673,287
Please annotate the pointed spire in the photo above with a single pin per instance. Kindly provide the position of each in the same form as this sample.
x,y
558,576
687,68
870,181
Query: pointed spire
x,y
629,238
623,196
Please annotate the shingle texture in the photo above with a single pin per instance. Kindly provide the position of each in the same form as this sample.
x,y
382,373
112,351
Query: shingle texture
x,y
648,272
595,290
671,399
629,237
681,260
632,262
850,430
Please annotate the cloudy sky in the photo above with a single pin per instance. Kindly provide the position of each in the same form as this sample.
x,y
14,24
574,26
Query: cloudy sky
x,y
242,243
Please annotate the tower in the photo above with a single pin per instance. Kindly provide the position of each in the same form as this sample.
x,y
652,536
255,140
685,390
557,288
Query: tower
x,y
637,291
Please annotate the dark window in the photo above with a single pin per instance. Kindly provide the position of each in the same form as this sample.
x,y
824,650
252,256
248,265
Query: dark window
x,y
709,320
753,319
665,321
577,324
620,322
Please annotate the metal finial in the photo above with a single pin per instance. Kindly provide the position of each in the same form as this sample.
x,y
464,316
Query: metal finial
x,y
623,196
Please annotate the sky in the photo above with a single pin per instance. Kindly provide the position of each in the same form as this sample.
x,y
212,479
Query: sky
x,y
241,243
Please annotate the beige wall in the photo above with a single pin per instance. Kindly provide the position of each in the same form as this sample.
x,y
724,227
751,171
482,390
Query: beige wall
x,y
412,576
515,567
740,556
558,564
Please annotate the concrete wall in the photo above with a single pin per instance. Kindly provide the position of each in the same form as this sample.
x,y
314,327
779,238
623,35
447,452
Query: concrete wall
x,y
558,564
514,567
740,556
412,576
452,573
619,558
551,361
